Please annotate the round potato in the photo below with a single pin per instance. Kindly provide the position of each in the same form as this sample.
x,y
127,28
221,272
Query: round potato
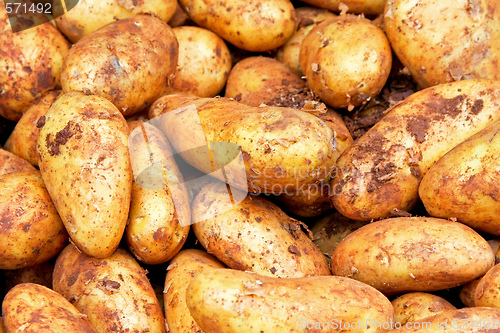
x,y
368,7
85,16
204,62
10,163
251,25
411,307
346,61
413,254
116,63
31,231
442,41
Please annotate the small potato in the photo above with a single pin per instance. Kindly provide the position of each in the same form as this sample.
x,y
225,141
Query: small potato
x,y
85,16
31,231
411,307
116,63
229,301
179,18
85,163
368,7
413,254
346,61
10,163
442,41
467,293
22,140
251,25
185,266
39,274
114,293
487,291
204,62
33,308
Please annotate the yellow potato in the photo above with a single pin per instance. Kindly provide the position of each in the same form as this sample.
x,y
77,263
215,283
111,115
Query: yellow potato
x,y
186,265
32,308
382,170
116,62
487,291
85,163
31,231
411,307
463,184
467,292
10,163
413,254
2,328
251,25
114,293
369,7
229,301
442,41
254,235
85,16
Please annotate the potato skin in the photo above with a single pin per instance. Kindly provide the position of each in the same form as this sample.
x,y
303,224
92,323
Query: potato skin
x,y
10,163
487,292
227,301
463,183
114,292
411,307
90,15
467,293
31,231
186,265
22,140
251,25
160,213
441,41
254,235
369,7
114,62
413,254
382,170
86,139
33,308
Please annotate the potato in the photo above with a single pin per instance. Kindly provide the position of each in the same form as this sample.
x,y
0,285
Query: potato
x,y
383,169
33,308
204,62
463,184
127,62
2,328
369,7
442,41
282,149
254,235
160,213
186,265
179,18
411,307
250,25
114,293
413,254
227,301
467,292
487,291
85,16
31,231
30,64
10,163
85,138
39,274
22,140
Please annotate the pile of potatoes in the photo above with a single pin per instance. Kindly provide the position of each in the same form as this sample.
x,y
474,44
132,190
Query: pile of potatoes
x,y
251,166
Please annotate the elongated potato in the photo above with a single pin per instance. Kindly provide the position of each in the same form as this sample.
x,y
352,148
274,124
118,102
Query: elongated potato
x,y
254,235
383,169
114,292
369,7
250,25
228,301
413,254
33,308
411,307
185,266
31,231
160,213
85,138
10,163
487,291
463,184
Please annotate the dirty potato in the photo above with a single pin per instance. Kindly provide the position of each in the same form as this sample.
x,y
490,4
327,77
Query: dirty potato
x,y
10,163
368,7
411,307
487,291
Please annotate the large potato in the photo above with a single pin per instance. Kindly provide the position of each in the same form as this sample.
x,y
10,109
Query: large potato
x,y
254,235
33,308
441,41
31,231
382,170
10,163
464,183
85,163
415,306
127,62
251,25
369,7
229,301
413,254
185,266
85,16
